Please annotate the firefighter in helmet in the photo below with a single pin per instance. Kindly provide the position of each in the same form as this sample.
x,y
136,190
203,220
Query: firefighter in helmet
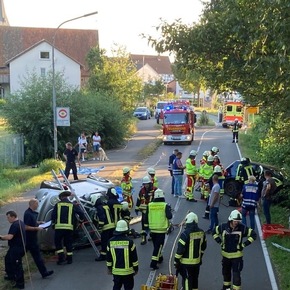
x,y
152,173
127,187
145,196
235,130
191,174
63,219
205,173
231,235
114,204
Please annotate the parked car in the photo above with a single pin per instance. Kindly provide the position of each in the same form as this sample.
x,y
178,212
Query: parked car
x,y
232,186
143,113
47,197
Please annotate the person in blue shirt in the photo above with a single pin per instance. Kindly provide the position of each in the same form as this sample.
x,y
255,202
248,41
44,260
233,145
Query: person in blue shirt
x,y
250,198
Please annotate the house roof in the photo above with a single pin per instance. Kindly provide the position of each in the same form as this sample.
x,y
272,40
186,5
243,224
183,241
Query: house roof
x,y
75,43
35,45
161,64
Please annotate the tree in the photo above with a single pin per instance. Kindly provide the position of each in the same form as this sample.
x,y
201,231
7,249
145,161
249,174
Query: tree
x,y
116,76
30,113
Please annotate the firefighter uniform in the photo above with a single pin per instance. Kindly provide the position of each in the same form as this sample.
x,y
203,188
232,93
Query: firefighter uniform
x,y
230,235
191,174
145,196
127,187
205,172
235,130
158,215
63,219
122,258
114,204
106,223
152,174
188,257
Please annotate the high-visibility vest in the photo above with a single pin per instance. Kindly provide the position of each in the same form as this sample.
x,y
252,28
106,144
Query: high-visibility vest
x,y
158,222
64,219
190,168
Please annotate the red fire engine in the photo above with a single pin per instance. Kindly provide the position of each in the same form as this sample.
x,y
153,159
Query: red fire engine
x,y
178,119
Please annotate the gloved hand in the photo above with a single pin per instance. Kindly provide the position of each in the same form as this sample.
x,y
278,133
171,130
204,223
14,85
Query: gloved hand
x,y
136,211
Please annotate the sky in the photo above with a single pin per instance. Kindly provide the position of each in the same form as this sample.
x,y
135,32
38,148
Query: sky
x,y
118,22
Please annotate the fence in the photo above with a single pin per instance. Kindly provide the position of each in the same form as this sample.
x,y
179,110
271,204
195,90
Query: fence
x,y
12,149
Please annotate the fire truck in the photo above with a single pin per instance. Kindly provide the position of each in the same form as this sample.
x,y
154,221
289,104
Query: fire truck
x,y
232,110
178,119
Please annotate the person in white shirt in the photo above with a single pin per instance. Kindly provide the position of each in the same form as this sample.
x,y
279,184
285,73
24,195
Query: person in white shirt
x,y
96,145
83,143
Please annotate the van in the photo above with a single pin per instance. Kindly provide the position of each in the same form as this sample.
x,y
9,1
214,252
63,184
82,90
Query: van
x,y
159,107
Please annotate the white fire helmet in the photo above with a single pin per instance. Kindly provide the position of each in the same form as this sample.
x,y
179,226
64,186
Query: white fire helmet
x,y
217,169
158,193
193,153
151,170
146,179
190,218
235,216
122,226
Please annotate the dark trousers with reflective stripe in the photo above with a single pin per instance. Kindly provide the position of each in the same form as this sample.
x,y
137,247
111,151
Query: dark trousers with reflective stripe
x,y
63,238
105,236
235,266
189,276
158,242
126,280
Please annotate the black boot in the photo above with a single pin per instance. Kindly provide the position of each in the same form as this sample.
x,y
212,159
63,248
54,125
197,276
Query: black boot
x,y
143,239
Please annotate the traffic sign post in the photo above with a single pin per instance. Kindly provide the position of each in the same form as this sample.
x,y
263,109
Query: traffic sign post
x,y
63,116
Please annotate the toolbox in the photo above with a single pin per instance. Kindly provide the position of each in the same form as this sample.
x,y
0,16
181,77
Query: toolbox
x,y
163,282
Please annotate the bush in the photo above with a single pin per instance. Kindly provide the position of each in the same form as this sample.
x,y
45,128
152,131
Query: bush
x,y
48,164
203,119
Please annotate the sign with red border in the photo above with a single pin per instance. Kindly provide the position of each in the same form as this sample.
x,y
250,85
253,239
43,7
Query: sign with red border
x,y
62,116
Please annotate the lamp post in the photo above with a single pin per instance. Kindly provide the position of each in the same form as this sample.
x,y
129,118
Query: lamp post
x,y
53,82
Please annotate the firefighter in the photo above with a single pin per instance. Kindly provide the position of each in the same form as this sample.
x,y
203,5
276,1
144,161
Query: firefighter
x,y
203,160
122,258
188,257
63,219
157,216
205,173
221,179
145,196
126,216
106,223
191,174
235,130
127,186
114,204
214,151
152,173
230,235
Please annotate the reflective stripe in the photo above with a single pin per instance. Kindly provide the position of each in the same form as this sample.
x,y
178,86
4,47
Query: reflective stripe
x,y
64,222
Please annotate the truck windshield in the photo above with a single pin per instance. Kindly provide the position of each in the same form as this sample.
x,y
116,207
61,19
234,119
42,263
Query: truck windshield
x,y
180,118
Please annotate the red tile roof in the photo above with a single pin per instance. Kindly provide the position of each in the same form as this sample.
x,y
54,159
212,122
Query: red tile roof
x,y
75,43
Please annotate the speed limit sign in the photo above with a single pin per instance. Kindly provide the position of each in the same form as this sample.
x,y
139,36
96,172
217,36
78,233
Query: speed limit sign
x,y
63,116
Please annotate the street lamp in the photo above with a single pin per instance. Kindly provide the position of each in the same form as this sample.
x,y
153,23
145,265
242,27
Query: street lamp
x,y
53,82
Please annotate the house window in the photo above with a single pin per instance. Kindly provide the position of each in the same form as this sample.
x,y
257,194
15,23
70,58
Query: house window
x,y
42,71
44,55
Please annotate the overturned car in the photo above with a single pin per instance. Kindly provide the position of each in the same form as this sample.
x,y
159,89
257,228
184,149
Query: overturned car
x,y
47,197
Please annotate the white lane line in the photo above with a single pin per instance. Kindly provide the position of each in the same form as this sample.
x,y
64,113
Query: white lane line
x,y
264,246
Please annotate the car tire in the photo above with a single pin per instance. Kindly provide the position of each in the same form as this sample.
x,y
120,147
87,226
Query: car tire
x,y
231,188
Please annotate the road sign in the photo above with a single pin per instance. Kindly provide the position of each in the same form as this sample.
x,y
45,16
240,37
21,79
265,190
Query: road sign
x,y
62,116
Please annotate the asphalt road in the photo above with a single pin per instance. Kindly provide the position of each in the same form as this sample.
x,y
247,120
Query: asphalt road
x,y
85,273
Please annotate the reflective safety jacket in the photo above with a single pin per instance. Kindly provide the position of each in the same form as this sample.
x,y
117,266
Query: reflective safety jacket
x,y
105,219
235,127
206,171
191,245
64,214
190,167
127,185
231,240
146,195
122,256
244,172
158,215
115,208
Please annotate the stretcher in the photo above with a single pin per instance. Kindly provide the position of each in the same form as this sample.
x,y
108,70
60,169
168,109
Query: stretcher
x,y
163,282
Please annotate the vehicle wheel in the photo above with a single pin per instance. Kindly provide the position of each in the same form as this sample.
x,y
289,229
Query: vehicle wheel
x,y
231,188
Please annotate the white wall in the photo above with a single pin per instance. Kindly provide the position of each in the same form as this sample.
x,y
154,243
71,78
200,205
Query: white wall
x,y
30,62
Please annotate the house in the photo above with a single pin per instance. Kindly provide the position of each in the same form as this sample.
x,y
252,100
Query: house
x,y
37,59
154,67
17,44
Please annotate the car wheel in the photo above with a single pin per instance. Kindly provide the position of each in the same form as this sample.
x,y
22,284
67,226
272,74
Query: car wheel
x,y
231,188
